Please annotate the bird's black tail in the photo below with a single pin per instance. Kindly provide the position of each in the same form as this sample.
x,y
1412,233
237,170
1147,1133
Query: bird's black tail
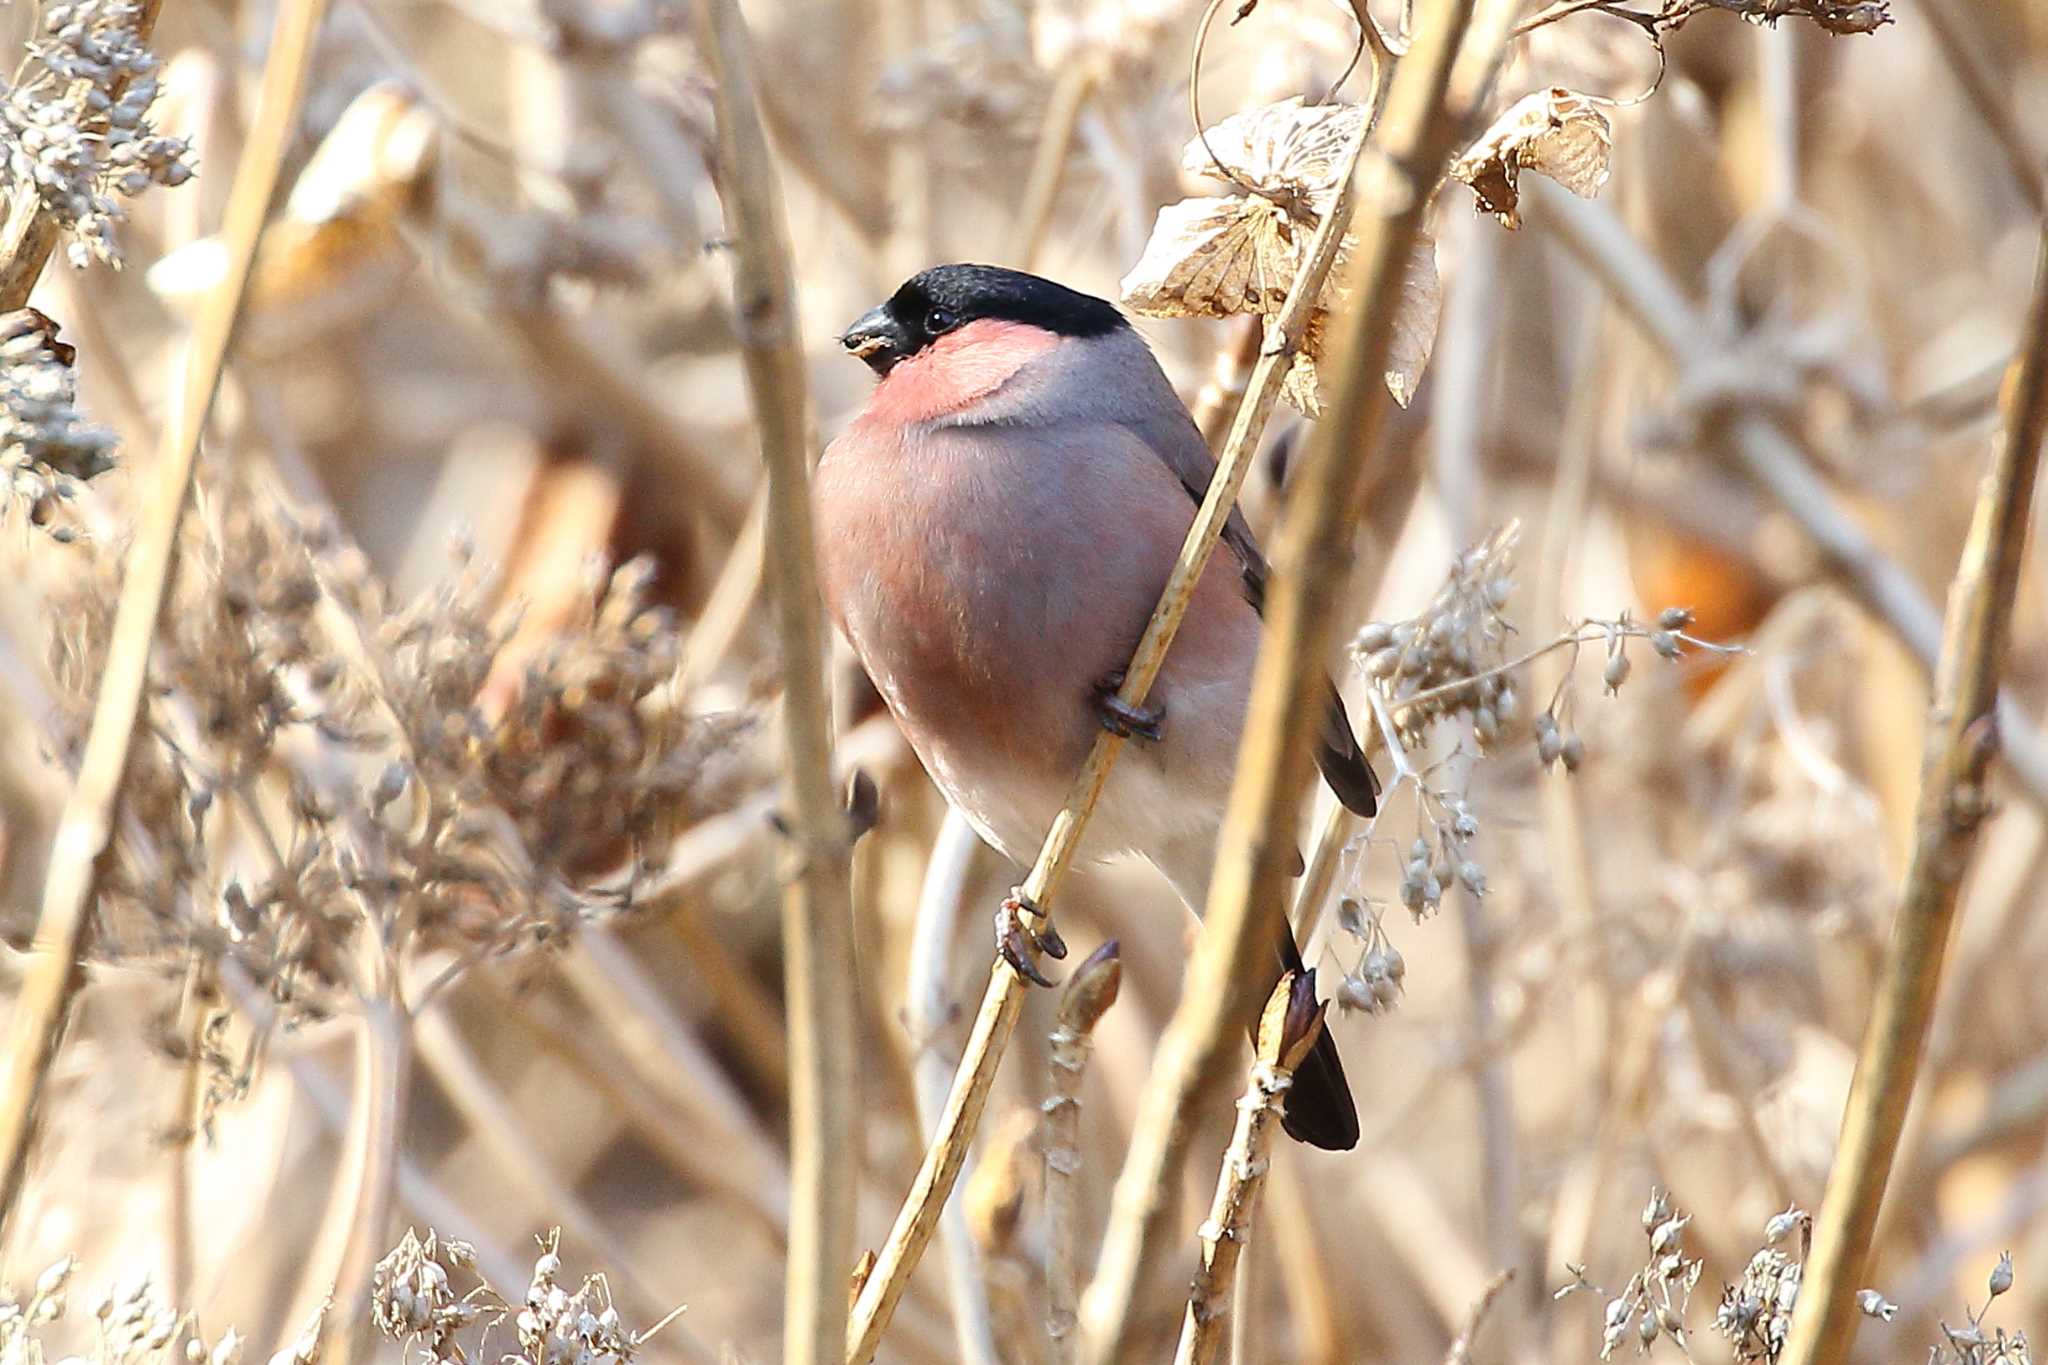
x,y
1319,1109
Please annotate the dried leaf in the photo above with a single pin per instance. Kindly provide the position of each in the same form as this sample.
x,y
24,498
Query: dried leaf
x,y
1555,132
1415,322
1289,146
1211,258
1408,351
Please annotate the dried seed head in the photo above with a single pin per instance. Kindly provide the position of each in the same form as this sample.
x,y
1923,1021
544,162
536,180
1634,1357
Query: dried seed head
x,y
1616,672
2001,1275
1875,1305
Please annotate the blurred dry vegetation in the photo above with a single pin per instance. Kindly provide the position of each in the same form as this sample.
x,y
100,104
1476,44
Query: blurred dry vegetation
x,y
444,880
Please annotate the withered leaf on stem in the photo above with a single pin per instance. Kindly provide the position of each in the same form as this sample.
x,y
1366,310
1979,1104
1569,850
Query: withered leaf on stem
x,y
1556,132
1408,353
1216,257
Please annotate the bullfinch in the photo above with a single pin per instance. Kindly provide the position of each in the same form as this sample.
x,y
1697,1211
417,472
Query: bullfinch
x,y
994,528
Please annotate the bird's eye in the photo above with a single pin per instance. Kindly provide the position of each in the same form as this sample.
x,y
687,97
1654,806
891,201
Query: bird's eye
x,y
940,321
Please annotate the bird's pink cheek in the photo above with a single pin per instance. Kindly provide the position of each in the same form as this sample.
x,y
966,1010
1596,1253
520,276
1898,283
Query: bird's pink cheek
x,y
957,370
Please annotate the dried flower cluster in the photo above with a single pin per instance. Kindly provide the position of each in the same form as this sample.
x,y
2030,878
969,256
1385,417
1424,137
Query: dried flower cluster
x,y
320,760
1654,1301
1974,1343
1445,661
46,443
1374,984
77,127
131,1323
413,1300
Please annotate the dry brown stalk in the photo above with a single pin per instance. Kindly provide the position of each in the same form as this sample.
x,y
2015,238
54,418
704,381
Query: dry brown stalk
x,y
181,1117
1311,558
929,1009
1087,997
817,907
1461,1349
1000,1005
31,230
1988,96
366,1204
84,831
1070,92
1287,1030
1963,732
1225,387
728,604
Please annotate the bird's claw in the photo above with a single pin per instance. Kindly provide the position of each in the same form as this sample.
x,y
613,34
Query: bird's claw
x,y
1016,942
1121,718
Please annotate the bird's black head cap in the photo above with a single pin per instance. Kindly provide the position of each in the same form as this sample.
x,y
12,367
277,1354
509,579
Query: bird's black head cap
x,y
936,301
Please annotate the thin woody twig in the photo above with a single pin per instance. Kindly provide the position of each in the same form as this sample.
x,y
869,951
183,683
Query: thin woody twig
x,y
1290,1026
1461,1349
928,1007
1311,558
997,1019
1963,733
817,913
84,832
1088,996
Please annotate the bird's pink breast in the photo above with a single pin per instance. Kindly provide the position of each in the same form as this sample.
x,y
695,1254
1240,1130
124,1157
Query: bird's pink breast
x,y
959,368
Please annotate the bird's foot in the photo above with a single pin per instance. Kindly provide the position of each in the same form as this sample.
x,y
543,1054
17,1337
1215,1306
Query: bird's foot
x,y
1121,718
1016,941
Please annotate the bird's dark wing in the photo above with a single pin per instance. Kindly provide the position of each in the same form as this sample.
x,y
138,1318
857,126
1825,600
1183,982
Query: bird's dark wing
x,y
1178,442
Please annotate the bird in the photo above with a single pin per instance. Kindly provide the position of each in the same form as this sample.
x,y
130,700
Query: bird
x,y
994,527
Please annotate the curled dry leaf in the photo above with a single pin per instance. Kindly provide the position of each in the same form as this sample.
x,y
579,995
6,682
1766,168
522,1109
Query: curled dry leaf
x,y
1220,256
1408,351
1217,257
1556,132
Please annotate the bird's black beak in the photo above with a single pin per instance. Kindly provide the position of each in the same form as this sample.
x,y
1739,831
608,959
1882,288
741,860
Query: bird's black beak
x,y
877,339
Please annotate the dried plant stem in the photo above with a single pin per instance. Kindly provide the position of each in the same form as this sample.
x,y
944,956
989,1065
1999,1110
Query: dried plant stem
x,y
1461,1349
31,230
669,1058
1070,92
817,906
1311,559
416,1189
1962,735
84,831
1757,445
181,1118
1564,836
1091,992
728,604
365,1205
1988,96
928,1007
643,1091
997,1019
1225,387
1291,1024
1304,1265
